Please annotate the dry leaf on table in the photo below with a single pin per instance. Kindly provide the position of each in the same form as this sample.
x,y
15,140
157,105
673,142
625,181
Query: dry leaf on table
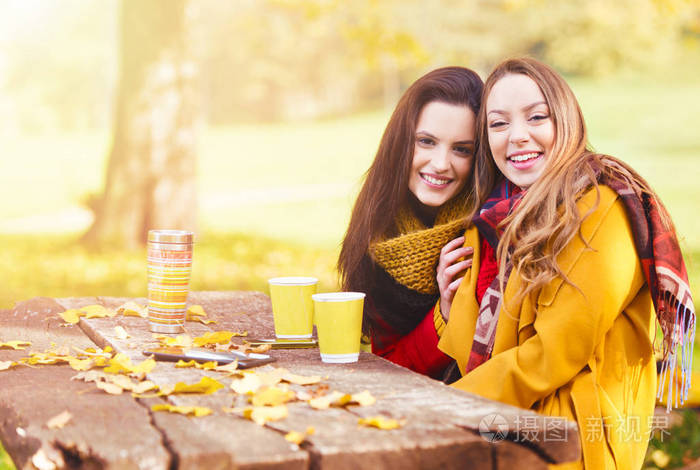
x,y
296,437
272,396
15,344
205,386
96,311
60,420
184,341
110,388
71,316
250,383
300,379
132,309
121,333
261,414
81,364
214,337
381,422
185,410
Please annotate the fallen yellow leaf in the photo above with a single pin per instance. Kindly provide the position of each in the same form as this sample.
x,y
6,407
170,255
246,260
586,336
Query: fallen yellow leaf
x,y
101,361
211,365
295,437
195,311
71,316
270,377
110,388
300,379
185,410
121,333
205,386
45,358
380,422
333,398
94,353
90,376
121,363
263,414
81,364
250,383
15,344
363,399
96,311
184,341
120,381
132,309
215,337
230,368
184,364
143,387
272,396
60,420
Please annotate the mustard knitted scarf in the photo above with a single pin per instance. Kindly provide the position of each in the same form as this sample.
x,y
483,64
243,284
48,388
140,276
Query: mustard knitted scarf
x,y
411,257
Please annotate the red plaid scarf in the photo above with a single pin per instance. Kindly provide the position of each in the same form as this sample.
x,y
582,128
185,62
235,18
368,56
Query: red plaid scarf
x,y
662,263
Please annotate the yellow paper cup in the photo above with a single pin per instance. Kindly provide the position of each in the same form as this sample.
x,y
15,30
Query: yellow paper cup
x,y
292,307
338,317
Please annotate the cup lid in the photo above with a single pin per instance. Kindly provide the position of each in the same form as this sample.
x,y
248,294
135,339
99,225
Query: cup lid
x,y
170,236
338,296
293,281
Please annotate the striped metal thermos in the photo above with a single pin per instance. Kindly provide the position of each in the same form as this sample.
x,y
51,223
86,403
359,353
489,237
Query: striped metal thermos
x,y
169,268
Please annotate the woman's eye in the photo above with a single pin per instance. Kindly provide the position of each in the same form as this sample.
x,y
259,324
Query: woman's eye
x,y
425,141
496,124
463,150
539,117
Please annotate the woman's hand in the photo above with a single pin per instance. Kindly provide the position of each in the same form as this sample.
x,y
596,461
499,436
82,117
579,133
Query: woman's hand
x,y
449,267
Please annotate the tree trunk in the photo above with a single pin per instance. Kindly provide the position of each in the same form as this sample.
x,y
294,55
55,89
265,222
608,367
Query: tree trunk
x,y
150,180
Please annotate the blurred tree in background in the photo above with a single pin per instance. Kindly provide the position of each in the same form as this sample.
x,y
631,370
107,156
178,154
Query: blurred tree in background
x,y
150,180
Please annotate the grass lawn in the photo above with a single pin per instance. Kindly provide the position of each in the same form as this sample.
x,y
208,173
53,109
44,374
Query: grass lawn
x,y
275,199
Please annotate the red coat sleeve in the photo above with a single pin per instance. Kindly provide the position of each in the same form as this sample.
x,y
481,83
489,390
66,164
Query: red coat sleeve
x,y
417,350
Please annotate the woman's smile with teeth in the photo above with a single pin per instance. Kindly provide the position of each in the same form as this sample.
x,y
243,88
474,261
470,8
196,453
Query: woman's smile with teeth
x,y
524,156
435,180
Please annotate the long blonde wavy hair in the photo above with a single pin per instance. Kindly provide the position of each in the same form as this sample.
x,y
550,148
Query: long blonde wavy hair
x,y
547,218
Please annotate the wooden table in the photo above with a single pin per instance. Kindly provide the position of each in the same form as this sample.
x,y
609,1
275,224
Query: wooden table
x,y
444,427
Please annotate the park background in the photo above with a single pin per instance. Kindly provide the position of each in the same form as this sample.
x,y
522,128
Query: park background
x,y
260,117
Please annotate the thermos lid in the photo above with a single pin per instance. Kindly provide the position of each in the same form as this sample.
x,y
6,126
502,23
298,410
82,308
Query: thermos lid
x,y
170,236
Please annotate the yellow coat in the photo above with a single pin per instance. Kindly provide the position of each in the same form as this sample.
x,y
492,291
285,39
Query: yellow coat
x,y
586,354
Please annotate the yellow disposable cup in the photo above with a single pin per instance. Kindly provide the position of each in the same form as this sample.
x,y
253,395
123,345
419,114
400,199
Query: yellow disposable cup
x,y
338,317
292,307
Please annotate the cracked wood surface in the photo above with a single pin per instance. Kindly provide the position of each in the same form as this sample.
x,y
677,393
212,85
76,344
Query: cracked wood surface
x,y
442,427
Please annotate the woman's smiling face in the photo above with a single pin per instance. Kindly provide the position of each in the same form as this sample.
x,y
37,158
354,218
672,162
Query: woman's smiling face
x,y
520,129
443,154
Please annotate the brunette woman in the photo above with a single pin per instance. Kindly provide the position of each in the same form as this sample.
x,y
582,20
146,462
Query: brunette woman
x,y
413,201
586,263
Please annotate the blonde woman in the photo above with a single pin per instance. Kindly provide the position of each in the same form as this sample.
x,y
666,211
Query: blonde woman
x,y
586,263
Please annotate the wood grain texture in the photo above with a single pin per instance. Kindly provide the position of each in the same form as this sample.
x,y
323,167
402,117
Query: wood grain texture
x,y
105,431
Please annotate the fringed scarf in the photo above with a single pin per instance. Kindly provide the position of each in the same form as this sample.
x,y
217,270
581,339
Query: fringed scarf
x,y
405,286
662,264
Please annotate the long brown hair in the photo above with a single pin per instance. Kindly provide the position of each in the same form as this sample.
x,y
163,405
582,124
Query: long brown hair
x,y
547,218
385,188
